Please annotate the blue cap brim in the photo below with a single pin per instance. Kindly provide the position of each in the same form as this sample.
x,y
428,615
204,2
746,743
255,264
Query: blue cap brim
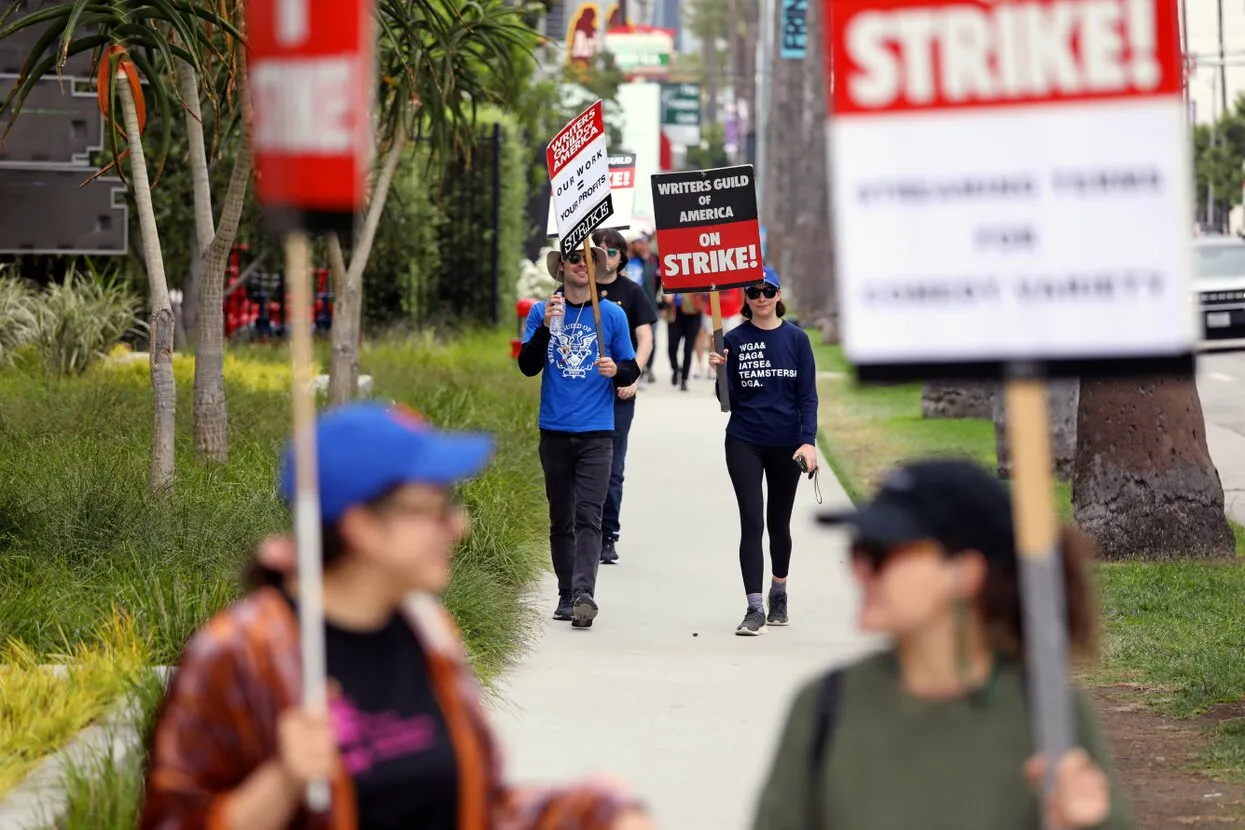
x,y
450,458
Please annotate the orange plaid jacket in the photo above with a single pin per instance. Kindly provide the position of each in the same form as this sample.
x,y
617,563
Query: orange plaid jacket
x,y
219,718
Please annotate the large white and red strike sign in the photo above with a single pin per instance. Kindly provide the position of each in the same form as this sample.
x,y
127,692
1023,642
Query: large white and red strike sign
x,y
311,79
1011,182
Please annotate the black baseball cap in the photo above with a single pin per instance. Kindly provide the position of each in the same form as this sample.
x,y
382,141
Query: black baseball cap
x,y
952,501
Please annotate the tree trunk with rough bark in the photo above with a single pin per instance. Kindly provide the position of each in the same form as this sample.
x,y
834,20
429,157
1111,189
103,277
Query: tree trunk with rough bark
x,y
1063,396
1144,485
163,387
211,414
211,427
201,193
348,285
957,400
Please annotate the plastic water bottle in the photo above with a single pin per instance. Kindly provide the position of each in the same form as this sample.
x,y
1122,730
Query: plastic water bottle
x,y
557,322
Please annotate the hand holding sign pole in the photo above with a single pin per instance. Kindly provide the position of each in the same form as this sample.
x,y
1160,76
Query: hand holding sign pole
x,y
311,88
709,238
1091,275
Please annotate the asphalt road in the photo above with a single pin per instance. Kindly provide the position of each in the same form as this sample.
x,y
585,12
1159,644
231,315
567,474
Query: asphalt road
x,y
1221,386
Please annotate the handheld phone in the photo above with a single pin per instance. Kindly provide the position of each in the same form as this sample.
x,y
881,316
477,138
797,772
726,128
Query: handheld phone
x,y
799,459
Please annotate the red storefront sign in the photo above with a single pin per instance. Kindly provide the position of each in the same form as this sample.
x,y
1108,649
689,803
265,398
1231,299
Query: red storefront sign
x,y
311,81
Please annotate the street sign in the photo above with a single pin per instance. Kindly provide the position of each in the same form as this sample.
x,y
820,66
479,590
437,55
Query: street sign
x,y
622,192
707,229
312,87
1038,172
579,177
680,113
793,34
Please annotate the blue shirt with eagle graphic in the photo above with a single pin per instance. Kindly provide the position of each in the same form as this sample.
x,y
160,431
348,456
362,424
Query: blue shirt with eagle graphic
x,y
574,397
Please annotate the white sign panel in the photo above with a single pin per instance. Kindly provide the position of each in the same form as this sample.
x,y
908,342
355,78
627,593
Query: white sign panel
x,y
1010,183
579,177
622,191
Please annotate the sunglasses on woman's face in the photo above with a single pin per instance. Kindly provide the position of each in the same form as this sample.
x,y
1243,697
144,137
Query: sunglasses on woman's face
x,y
573,259
754,291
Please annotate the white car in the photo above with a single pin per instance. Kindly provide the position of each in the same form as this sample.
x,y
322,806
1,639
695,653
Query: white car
x,y
1220,283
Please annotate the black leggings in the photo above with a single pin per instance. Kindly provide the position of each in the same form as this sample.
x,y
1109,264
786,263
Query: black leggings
x,y
683,327
747,463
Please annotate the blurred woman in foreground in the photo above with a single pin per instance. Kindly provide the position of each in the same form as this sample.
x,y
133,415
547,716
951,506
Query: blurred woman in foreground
x,y
935,732
406,744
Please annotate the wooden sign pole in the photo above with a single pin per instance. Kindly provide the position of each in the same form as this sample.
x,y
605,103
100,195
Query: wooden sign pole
x,y
306,493
592,289
1041,571
715,309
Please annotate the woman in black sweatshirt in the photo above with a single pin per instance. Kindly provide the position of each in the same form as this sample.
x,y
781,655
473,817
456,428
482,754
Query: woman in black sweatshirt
x,y
772,382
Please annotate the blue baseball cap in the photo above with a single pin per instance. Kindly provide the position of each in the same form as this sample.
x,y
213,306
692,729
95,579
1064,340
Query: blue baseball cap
x,y
771,277
364,449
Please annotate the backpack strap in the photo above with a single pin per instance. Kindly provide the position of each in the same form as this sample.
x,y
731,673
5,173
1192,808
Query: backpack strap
x,y
829,695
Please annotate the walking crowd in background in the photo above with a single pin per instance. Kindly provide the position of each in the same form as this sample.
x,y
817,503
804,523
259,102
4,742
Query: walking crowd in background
x,y
941,716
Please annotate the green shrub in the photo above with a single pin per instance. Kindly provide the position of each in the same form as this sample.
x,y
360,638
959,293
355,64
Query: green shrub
x,y
79,532
77,321
17,318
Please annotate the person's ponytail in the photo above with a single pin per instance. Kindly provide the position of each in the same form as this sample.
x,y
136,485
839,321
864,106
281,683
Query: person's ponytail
x,y
1003,609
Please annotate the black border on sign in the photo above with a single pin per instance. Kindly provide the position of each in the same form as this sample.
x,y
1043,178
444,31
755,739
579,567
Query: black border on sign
x,y
1114,367
282,219
606,214
712,287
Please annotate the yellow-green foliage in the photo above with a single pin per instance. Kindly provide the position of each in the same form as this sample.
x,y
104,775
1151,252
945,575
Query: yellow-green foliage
x,y
252,375
42,709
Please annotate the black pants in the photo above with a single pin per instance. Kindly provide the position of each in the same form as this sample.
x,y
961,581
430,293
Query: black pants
x,y
577,477
611,516
747,463
652,355
683,327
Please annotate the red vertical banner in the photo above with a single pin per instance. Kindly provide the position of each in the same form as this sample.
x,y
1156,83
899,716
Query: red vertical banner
x,y
312,87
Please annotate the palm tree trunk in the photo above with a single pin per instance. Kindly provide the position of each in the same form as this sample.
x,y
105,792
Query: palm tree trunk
x,y
211,425
201,189
1144,485
348,285
163,387
211,413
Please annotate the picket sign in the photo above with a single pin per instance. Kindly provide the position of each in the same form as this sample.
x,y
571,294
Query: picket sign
x,y
709,237
622,192
312,82
1034,156
578,163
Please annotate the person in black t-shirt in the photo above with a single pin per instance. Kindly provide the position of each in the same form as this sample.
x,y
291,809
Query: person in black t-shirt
x,y
614,286
405,742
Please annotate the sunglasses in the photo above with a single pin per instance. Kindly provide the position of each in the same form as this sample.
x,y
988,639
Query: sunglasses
x,y
754,291
613,251
573,259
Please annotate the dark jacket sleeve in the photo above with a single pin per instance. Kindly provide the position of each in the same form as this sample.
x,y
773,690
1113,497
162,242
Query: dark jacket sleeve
x,y
628,373
533,352
806,392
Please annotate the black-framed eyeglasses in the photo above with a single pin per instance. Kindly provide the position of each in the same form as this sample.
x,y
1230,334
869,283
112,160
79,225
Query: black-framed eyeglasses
x,y
573,258
754,291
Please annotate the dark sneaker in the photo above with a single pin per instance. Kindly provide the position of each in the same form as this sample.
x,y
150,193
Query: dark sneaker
x,y
583,612
683,385
753,624
777,608
563,612
609,556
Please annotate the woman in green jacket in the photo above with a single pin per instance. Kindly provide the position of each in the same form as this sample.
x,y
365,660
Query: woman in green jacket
x,y
934,733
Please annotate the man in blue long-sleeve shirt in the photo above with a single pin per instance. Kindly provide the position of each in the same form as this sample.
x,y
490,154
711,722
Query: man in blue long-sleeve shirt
x,y
577,393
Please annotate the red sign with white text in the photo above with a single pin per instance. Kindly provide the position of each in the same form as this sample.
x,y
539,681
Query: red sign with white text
x,y
907,55
311,81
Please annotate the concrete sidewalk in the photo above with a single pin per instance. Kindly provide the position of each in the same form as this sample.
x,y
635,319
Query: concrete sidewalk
x,y
660,691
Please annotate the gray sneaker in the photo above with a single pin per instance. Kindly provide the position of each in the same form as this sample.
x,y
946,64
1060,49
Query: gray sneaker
x,y
753,624
777,608
583,612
